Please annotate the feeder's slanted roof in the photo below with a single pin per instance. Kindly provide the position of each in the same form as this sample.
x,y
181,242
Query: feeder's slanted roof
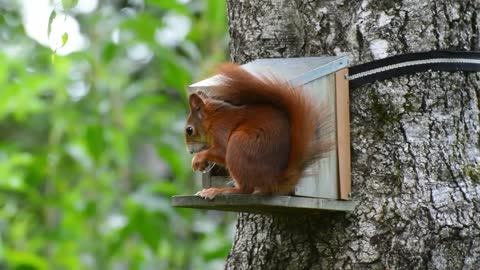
x,y
297,71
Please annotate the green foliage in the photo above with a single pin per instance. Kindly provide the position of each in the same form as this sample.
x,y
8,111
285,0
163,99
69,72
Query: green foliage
x,y
91,144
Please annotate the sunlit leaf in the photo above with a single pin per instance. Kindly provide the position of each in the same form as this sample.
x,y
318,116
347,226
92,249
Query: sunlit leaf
x,y
25,261
52,17
68,4
216,17
171,5
64,39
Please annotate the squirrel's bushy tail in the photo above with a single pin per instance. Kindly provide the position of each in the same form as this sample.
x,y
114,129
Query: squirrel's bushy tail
x,y
310,124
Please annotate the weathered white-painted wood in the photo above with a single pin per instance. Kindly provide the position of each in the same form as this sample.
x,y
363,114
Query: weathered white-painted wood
x,y
320,179
264,204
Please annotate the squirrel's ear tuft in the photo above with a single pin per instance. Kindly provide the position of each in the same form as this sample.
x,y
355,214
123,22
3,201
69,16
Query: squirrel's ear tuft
x,y
196,104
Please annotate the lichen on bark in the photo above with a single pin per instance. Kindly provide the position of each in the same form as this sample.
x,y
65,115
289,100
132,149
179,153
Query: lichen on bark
x,y
415,139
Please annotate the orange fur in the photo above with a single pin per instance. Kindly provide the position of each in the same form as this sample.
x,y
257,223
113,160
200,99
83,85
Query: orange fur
x,y
264,131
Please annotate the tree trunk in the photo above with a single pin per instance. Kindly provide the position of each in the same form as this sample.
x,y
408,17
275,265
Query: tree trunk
x,y
415,139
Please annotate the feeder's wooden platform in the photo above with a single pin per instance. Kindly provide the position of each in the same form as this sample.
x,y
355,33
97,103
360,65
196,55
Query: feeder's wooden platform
x,y
264,204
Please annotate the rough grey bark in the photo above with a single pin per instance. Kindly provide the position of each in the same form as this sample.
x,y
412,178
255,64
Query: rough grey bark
x,y
415,139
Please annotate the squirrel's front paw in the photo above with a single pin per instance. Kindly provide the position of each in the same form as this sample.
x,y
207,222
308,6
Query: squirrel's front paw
x,y
209,193
199,164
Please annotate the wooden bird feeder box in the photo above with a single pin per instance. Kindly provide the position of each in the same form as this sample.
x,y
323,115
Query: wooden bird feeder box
x,y
326,184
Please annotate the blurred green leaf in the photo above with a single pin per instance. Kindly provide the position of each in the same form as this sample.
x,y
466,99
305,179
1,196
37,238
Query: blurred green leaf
x,y
167,188
95,141
21,260
78,152
11,173
142,27
215,247
120,146
109,51
170,155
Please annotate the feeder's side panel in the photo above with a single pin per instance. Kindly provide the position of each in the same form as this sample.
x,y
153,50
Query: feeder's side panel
x,y
320,179
343,134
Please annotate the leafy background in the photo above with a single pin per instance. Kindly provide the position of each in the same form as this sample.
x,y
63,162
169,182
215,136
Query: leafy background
x,y
91,144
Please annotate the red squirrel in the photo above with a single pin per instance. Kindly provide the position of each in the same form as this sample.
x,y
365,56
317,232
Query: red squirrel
x,y
263,130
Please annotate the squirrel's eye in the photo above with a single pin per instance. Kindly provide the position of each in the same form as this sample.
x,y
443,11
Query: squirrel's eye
x,y
189,130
